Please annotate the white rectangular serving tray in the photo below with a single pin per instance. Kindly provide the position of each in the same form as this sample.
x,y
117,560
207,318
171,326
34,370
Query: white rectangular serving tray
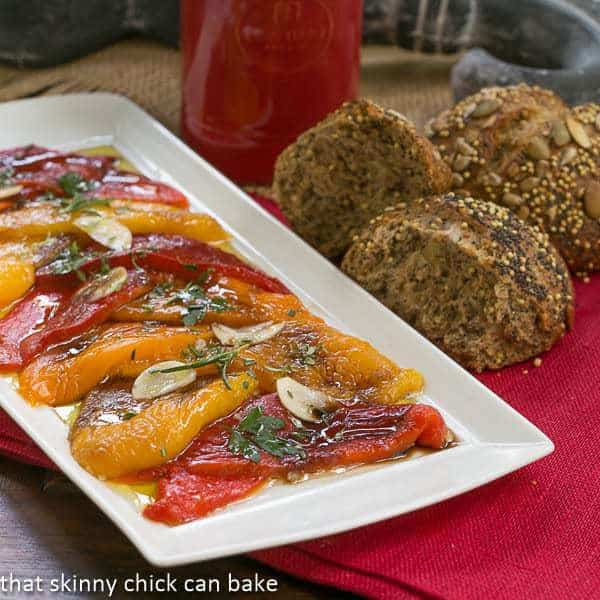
x,y
495,439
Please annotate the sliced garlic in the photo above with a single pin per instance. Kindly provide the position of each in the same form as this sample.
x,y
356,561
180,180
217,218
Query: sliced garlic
x,y
104,285
106,231
303,402
151,383
253,334
11,190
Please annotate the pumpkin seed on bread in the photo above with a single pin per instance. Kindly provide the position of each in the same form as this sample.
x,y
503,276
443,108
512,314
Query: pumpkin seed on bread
x,y
348,168
523,148
482,285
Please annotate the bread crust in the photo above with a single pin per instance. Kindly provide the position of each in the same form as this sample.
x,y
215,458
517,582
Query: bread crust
x,y
523,148
485,287
348,168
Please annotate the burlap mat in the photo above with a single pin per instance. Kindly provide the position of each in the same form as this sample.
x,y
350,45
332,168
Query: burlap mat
x,y
149,74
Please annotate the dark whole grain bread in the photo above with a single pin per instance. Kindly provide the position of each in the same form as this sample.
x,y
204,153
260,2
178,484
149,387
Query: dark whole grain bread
x,y
482,285
523,148
348,168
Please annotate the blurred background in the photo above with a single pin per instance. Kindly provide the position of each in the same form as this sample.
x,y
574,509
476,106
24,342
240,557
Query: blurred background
x,y
416,55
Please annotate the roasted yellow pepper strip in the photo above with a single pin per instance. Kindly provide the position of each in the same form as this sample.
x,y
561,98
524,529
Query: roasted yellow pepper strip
x,y
122,350
17,271
40,221
158,433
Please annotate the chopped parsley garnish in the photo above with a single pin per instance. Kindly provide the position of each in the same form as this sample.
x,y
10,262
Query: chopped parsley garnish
x,y
163,452
303,355
197,304
190,353
73,183
291,312
306,354
240,445
104,265
6,175
204,276
196,312
84,203
75,187
161,290
194,315
192,291
301,435
257,432
192,297
129,415
70,260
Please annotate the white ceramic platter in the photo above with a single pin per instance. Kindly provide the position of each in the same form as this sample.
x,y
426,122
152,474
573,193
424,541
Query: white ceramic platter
x,y
495,439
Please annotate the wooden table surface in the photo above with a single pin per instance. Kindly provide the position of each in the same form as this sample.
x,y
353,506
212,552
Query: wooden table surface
x,y
48,528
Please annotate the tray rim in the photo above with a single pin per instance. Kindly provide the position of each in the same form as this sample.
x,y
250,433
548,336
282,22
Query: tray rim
x,y
529,445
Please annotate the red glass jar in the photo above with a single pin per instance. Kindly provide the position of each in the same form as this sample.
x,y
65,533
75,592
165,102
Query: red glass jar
x,y
257,73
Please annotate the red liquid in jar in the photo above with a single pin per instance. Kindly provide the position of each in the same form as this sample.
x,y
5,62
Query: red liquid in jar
x,y
257,73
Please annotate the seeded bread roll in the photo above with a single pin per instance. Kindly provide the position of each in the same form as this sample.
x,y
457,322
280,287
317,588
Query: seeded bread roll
x,y
482,285
523,148
348,168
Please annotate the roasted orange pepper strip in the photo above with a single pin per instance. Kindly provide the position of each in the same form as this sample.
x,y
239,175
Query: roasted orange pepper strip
x,y
17,271
309,350
57,377
158,433
249,305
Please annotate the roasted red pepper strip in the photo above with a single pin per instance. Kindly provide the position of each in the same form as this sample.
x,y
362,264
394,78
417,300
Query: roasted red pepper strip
x,y
10,156
124,185
38,169
180,256
185,496
78,315
23,320
209,476
35,159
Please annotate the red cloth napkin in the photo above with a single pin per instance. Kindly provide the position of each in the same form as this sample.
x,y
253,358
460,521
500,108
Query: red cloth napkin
x,y
532,534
